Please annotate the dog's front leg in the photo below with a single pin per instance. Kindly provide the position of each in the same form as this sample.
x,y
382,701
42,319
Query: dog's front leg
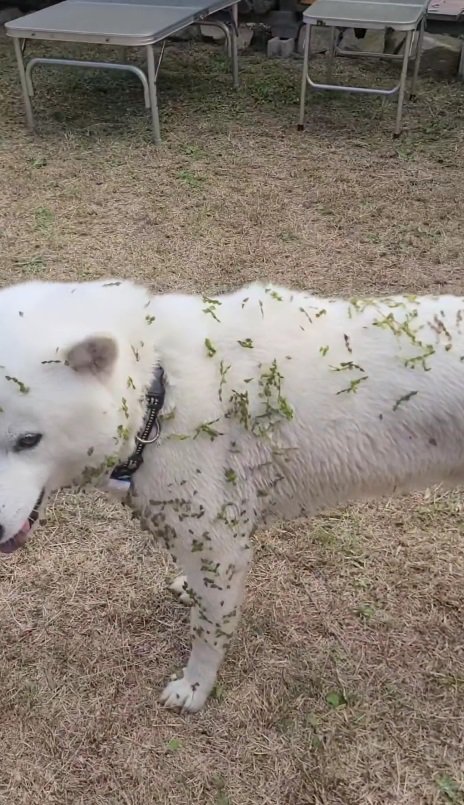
x,y
215,584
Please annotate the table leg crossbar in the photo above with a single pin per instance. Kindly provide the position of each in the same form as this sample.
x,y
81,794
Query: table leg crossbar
x,y
94,65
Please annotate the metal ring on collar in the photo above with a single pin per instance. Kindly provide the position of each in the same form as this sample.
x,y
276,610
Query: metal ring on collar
x,y
156,428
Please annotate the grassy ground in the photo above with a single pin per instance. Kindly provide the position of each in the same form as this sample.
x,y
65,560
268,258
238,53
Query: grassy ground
x,y
345,683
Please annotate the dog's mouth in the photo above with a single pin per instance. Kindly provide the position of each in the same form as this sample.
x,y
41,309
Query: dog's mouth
x,y
21,537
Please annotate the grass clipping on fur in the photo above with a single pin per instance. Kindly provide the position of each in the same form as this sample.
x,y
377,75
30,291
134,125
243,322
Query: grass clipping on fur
x,y
344,684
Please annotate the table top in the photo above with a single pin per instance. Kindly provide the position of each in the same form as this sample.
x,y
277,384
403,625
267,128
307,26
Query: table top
x,y
116,22
401,15
446,9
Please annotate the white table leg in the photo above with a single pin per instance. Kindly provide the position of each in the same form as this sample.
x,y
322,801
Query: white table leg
x,y
304,78
417,58
402,89
153,95
234,45
24,87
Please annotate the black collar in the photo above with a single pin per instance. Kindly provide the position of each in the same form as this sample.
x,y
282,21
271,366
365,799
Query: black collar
x,y
149,432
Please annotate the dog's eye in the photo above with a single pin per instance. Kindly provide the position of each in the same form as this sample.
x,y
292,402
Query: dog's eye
x,y
27,441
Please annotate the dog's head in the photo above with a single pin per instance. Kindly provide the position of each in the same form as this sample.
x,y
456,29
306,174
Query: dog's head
x,y
68,404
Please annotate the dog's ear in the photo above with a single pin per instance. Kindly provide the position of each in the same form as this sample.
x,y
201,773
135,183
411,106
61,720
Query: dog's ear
x,y
95,355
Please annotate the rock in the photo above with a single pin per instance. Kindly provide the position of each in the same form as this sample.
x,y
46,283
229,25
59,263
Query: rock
x,y
287,46
278,48
320,39
440,54
373,41
188,34
394,41
8,14
273,48
245,36
256,6
212,32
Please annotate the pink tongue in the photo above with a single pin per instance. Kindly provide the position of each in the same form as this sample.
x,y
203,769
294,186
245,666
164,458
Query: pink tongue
x,y
21,537
18,540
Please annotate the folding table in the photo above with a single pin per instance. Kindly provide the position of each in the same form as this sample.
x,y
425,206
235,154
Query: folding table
x,y
399,15
129,23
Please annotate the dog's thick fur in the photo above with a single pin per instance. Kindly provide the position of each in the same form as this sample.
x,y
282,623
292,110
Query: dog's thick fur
x,y
278,404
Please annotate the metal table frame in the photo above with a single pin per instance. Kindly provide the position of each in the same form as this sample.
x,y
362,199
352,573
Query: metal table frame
x,y
414,30
148,79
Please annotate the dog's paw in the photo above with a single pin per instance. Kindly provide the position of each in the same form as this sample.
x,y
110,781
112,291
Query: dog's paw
x,y
179,587
181,695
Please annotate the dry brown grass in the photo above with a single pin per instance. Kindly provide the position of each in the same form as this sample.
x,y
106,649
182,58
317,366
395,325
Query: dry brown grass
x,y
345,683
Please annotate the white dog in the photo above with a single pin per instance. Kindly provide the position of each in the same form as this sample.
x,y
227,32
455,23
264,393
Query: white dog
x,y
276,405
